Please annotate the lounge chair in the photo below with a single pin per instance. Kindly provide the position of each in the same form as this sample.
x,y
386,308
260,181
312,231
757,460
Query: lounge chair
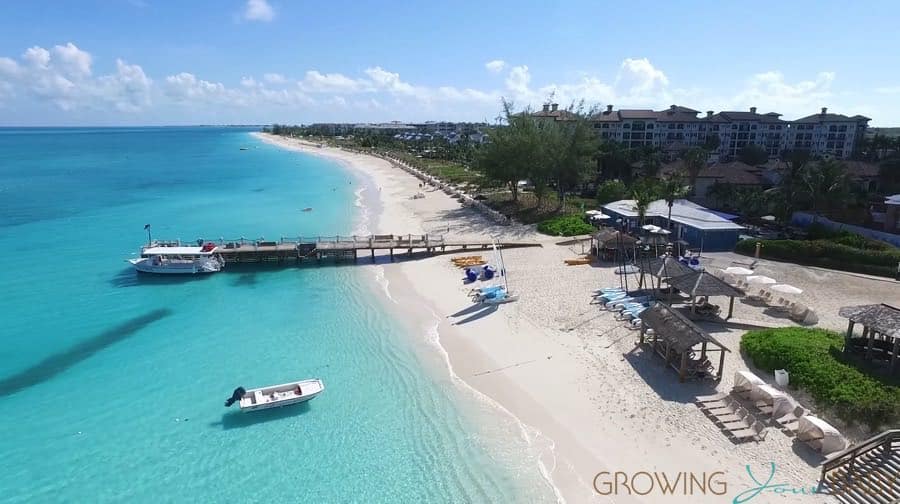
x,y
789,422
756,432
741,419
633,313
631,300
710,398
727,404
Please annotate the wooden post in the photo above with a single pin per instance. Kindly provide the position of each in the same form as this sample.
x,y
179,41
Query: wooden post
x,y
721,364
894,357
372,250
703,351
644,330
871,344
682,370
731,307
392,254
849,336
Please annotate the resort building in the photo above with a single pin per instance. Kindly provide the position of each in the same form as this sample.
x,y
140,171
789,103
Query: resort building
x,y
699,227
734,173
678,128
827,134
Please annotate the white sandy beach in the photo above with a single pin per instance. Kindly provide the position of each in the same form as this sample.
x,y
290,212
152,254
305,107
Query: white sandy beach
x,y
572,373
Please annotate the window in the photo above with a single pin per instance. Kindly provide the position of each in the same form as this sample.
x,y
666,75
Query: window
x,y
604,134
605,126
627,125
843,128
671,125
626,135
734,126
680,126
753,126
778,127
649,126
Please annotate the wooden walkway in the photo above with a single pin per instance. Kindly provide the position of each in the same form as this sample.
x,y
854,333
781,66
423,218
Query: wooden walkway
x,y
867,473
338,248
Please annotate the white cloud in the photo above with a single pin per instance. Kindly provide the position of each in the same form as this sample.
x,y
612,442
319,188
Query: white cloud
x,y
63,78
517,81
37,56
317,82
274,78
128,89
258,10
73,61
495,66
186,87
770,90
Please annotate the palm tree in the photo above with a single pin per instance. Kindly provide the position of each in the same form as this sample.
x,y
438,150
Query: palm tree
x,y
671,189
695,160
644,192
826,185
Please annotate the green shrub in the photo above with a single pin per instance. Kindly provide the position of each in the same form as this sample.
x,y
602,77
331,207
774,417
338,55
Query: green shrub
x,y
611,190
827,254
813,358
565,225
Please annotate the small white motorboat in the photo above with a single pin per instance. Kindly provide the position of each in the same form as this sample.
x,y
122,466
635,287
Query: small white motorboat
x,y
178,260
275,396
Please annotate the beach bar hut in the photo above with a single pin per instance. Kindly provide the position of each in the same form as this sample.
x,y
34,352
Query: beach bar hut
x,y
701,283
662,268
681,343
610,243
880,335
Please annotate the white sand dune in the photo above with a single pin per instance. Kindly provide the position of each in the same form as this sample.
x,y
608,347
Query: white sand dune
x,y
571,372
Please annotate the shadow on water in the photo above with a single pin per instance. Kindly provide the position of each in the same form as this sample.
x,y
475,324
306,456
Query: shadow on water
x,y
238,419
245,280
56,364
131,278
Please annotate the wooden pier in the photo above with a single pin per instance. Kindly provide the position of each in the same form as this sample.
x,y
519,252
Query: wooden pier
x,y
339,248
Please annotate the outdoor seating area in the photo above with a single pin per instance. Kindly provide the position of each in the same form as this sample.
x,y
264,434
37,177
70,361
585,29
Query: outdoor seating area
x,y
880,340
764,290
752,405
682,344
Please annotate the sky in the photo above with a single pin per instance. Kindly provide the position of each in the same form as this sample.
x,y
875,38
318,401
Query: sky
x,y
154,62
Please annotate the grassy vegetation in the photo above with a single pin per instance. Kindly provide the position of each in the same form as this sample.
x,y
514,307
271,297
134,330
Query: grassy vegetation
x,y
565,225
815,362
836,250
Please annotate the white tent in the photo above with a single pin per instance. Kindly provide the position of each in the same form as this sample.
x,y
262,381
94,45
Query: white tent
x,y
766,394
745,381
820,435
782,405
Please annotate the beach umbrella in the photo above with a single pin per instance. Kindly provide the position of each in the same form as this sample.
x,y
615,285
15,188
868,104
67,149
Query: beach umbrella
x,y
737,270
661,231
786,289
593,212
768,218
600,217
760,279
650,227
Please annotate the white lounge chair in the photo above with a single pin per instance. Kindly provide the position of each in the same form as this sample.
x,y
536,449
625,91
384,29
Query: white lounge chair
x,y
756,432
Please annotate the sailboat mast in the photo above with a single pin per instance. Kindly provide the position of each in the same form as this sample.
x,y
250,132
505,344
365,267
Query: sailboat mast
x,y
503,269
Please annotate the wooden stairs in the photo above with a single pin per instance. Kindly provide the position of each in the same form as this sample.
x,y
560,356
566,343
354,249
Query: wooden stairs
x,y
867,473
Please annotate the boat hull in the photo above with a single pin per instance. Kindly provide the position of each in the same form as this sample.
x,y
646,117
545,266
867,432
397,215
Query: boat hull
x,y
145,265
277,396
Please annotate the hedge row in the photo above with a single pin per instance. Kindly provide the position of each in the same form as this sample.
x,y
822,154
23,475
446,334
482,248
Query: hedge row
x,y
813,359
565,225
827,254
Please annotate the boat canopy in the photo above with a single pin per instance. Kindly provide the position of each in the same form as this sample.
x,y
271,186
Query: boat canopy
x,y
164,251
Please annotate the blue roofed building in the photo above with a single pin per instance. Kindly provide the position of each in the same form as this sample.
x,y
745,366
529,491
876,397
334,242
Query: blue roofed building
x,y
701,228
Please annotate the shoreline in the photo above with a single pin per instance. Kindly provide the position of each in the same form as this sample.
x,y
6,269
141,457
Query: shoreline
x,y
568,372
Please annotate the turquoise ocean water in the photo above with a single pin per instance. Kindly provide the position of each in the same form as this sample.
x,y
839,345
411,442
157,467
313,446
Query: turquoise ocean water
x,y
112,384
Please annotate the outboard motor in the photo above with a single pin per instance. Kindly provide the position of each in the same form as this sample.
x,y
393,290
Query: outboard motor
x,y
235,396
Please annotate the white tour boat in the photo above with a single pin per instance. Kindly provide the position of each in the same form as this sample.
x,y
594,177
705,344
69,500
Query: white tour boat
x,y
179,260
275,396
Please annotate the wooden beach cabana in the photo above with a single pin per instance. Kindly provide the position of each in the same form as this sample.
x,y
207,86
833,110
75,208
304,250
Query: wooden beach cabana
x,y
662,268
881,331
609,242
702,283
676,339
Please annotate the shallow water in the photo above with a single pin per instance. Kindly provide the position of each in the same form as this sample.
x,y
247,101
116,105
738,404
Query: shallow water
x,y
113,383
